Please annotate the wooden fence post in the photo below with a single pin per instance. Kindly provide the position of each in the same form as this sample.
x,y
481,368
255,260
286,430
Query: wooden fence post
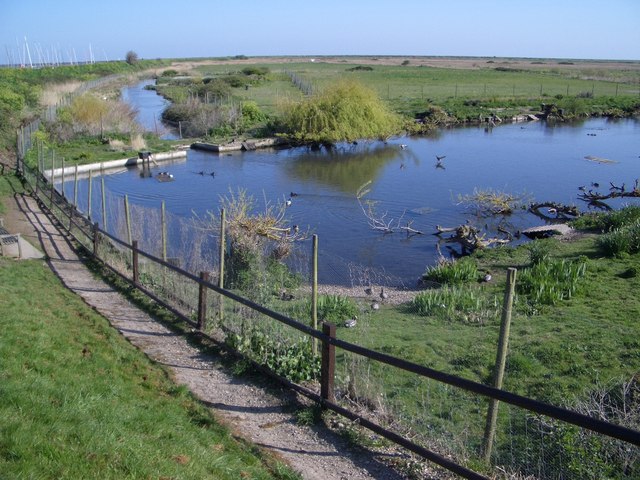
x,y
501,359
134,251
328,363
95,239
202,302
314,295
223,218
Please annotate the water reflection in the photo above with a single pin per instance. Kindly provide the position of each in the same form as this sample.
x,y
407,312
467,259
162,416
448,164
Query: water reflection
x,y
347,169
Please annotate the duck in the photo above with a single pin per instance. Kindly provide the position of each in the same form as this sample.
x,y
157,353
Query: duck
x,y
368,290
403,146
375,306
288,202
351,322
383,294
293,194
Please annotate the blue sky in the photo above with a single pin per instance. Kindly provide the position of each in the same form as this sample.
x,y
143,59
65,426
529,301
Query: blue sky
x,y
197,28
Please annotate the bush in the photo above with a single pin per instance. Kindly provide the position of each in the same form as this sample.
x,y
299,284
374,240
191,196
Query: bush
x,y
551,281
452,272
539,251
336,308
346,111
624,240
254,70
453,303
131,57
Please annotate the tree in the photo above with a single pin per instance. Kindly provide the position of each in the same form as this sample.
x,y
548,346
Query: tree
x,y
346,111
131,57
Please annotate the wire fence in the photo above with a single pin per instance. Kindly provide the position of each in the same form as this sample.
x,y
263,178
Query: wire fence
x,y
264,309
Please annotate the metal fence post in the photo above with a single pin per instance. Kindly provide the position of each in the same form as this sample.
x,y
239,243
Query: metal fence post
x,y
328,365
202,302
134,251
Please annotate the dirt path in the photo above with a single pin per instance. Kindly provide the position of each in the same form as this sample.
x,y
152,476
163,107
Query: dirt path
x,y
251,410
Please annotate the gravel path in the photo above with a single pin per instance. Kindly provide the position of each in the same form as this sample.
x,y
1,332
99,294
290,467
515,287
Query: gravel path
x,y
250,410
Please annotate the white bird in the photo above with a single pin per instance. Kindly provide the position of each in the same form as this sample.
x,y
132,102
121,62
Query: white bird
x,y
351,322
403,146
288,202
375,306
487,277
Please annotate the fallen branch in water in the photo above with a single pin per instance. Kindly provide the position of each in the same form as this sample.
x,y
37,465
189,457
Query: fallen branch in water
x,y
469,237
615,191
554,210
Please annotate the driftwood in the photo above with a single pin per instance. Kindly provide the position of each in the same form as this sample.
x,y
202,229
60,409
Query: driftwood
x,y
469,237
554,210
615,191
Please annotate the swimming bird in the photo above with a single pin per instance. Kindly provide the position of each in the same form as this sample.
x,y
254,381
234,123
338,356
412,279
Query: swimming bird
x,y
288,202
293,194
403,146
582,188
487,277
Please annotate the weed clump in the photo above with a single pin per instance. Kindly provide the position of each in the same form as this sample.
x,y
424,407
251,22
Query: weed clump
x,y
550,281
452,272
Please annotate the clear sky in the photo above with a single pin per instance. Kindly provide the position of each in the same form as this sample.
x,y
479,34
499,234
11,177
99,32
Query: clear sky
x,y
603,29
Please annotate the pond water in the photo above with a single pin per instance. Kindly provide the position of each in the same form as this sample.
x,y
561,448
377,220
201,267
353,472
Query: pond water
x,y
149,106
542,161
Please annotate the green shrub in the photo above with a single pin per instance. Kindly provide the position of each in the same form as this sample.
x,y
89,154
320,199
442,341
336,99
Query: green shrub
x,y
293,360
551,281
621,241
255,70
606,222
539,251
336,308
453,303
452,272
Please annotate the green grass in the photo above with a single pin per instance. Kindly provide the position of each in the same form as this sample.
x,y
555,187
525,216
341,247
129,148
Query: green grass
x,y
464,93
556,353
78,401
86,150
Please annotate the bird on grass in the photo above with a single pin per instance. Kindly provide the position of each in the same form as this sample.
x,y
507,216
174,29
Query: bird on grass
x,y
351,322
375,306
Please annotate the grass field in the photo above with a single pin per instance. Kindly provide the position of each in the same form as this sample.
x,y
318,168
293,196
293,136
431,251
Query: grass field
x,y
409,88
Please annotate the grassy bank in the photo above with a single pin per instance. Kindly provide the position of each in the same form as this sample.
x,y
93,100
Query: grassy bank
x,y
78,401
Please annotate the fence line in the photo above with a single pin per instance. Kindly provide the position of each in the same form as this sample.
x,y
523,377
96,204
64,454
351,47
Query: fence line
x,y
127,265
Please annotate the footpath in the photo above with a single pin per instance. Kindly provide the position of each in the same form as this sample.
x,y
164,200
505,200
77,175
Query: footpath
x,y
252,411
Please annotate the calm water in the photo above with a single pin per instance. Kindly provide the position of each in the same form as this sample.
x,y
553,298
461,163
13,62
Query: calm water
x,y
149,107
545,162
